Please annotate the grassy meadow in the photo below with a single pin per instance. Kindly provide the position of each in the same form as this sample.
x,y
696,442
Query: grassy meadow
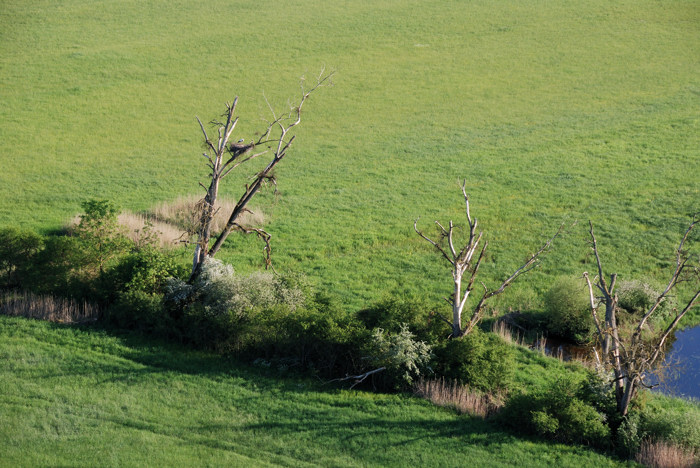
x,y
553,112
79,397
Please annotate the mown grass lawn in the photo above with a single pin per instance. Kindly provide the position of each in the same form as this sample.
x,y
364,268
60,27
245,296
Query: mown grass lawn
x,y
552,111
81,397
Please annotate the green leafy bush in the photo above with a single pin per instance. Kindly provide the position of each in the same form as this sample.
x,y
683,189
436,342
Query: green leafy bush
x,y
560,412
404,357
480,360
138,310
391,313
102,238
221,308
146,270
56,269
319,337
568,308
17,251
635,298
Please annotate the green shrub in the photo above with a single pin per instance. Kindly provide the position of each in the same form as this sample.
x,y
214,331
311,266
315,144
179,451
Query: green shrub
x,y
391,313
561,412
102,238
56,269
635,298
678,428
629,435
404,357
17,251
138,310
146,270
568,308
480,360
319,337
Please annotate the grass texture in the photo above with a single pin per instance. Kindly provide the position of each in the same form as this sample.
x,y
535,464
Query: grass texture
x,y
552,111
79,397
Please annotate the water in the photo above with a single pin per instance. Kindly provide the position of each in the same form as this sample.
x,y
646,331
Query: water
x,y
684,358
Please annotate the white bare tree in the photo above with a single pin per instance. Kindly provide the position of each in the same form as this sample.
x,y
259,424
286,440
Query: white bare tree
x,y
465,265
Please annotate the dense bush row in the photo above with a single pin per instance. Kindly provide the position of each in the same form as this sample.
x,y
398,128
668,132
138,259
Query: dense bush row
x,y
281,321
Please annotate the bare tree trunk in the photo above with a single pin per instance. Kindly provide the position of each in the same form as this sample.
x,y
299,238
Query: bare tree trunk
x,y
226,157
626,356
463,261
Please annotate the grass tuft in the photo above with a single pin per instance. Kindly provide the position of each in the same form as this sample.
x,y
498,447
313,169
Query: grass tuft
x,y
459,397
662,454
49,308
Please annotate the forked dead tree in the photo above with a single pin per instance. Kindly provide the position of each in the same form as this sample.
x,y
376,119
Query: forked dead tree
x,y
631,357
465,267
223,157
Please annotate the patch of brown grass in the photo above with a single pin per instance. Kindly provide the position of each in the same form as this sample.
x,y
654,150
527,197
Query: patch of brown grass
x,y
172,222
459,397
662,454
135,225
505,331
48,308
182,212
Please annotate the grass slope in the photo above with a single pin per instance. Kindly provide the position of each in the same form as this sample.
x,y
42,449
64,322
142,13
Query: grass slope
x,y
552,110
79,397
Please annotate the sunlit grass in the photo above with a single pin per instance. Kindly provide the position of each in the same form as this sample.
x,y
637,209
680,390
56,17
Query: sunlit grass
x,y
80,397
552,112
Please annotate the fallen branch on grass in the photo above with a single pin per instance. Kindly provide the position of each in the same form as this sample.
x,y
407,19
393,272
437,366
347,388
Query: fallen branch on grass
x,y
358,378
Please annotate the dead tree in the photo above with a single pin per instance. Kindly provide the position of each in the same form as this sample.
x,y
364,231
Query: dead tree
x,y
465,265
223,157
632,356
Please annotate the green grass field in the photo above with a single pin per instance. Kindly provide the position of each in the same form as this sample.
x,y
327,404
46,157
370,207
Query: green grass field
x,y
553,112
79,397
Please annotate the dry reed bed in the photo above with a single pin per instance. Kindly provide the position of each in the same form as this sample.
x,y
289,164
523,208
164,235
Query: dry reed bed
x,y
661,454
47,308
459,397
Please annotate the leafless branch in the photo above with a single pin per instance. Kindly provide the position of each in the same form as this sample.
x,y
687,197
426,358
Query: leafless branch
x,y
358,378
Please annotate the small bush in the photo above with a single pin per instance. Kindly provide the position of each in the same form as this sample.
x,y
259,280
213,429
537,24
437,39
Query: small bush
x,y
138,310
662,454
404,357
635,298
480,360
17,251
568,309
389,314
56,269
102,238
682,429
559,412
145,270
319,337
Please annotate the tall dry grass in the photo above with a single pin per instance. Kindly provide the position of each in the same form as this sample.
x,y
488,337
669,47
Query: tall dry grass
x,y
506,332
183,213
47,308
459,397
662,454
171,223
167,235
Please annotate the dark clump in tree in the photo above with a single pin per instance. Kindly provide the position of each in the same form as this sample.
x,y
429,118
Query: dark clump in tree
x,y
223,157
